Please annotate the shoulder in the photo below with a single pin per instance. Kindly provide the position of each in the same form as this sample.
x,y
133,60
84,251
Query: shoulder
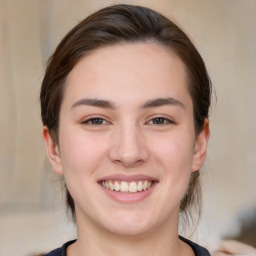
x,y
198,250
60,251
56,252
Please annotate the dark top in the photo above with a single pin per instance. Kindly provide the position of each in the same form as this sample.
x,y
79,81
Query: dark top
x,y
198,250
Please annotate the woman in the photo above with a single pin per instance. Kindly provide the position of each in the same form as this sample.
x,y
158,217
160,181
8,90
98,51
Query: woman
x,y
124,104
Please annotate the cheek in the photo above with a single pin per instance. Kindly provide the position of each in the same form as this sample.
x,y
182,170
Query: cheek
x,y
175,152
80,158
175,156
80,153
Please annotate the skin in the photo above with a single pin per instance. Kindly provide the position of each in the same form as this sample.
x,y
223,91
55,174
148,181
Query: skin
x,y
232,247
127,140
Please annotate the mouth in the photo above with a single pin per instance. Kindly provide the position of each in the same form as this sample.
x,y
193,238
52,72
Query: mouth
x,y
127,186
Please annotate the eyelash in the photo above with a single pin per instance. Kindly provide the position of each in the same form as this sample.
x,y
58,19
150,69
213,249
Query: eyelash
x,y
102,121
163,120
97,119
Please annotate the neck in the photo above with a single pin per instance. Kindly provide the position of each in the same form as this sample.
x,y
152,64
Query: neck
x,y
94,240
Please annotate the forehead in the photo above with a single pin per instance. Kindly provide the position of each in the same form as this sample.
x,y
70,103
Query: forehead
x,y
147,70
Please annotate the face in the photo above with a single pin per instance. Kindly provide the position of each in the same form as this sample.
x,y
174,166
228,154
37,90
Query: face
x,y
127,144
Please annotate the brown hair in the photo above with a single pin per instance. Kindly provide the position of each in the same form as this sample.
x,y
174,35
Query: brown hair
x,y
126,24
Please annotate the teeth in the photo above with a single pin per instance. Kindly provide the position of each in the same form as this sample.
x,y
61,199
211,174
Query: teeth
x,y
145,185
111,186
116,186
140,187
130,187
133,187
124,186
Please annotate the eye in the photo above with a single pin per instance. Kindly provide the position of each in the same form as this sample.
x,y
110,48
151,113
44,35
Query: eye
x,y
160,121
95,121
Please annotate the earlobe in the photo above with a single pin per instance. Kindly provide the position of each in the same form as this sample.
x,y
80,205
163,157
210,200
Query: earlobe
x,y
201,147
52,151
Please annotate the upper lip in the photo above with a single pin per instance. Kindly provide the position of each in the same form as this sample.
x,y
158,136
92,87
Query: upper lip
x,y
128,178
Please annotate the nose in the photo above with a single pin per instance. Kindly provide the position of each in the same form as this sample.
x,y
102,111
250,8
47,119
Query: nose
x,y
129,147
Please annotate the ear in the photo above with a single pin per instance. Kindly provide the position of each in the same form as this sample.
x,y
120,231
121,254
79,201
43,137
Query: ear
x,y
52,151
201,147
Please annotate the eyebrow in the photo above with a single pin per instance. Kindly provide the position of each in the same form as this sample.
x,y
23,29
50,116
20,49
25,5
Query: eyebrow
x,y
161,102
95,102
111,105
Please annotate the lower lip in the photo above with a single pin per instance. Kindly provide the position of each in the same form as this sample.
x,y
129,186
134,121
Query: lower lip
x,y
129,197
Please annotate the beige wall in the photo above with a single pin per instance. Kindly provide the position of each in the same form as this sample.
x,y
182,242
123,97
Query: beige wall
x,y
224,32
20,69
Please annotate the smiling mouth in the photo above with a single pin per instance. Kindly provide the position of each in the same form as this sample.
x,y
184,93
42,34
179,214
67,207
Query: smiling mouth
x,y
127,187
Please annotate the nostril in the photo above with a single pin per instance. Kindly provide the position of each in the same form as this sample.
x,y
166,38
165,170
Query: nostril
x,y
128,147
128,159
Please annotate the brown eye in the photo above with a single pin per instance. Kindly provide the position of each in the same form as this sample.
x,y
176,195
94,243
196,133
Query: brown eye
x,y
160,121
95,121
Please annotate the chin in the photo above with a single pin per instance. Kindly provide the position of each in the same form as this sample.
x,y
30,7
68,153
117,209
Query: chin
x,y
130,225
129,230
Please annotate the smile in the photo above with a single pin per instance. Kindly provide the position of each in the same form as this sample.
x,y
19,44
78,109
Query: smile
x,y
127,187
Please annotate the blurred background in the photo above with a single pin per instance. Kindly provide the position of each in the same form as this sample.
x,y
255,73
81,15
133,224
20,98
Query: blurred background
x,y
32,212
